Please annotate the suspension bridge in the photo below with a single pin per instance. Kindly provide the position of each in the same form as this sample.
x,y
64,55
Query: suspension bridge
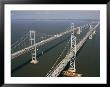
x,y
28,43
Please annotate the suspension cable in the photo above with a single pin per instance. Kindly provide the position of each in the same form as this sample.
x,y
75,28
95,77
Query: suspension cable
x,y
20,39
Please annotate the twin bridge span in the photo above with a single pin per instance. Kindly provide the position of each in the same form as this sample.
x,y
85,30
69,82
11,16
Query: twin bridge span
x,y
70,54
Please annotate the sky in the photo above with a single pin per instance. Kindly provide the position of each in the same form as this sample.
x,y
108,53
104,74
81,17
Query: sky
x,y
55,14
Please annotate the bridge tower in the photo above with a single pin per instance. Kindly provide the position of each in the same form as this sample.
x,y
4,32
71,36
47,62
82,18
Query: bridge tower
x,y
72,34
90,37
81,29
90,26
78,30
72,27
32,39
73,45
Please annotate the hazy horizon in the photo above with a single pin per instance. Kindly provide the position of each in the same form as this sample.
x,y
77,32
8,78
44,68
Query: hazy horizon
x,y
55,14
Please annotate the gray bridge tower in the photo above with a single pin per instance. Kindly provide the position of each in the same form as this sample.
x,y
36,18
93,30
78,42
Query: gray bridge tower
x,y
73,47
32,39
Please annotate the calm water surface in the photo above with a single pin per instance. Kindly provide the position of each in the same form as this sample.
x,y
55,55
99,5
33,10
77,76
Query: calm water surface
x,y
88,58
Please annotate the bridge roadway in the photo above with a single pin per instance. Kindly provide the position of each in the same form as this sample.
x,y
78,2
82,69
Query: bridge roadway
x,y
57,70
27,49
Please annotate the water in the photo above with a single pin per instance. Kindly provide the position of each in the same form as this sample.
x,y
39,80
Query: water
x,y
88,59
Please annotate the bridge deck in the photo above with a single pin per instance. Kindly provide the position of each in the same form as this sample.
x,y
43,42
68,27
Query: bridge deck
x,y
27,49
51,52
42,63
57,70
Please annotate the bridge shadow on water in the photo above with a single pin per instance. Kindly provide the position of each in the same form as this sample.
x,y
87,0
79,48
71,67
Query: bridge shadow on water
x,y
39,55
